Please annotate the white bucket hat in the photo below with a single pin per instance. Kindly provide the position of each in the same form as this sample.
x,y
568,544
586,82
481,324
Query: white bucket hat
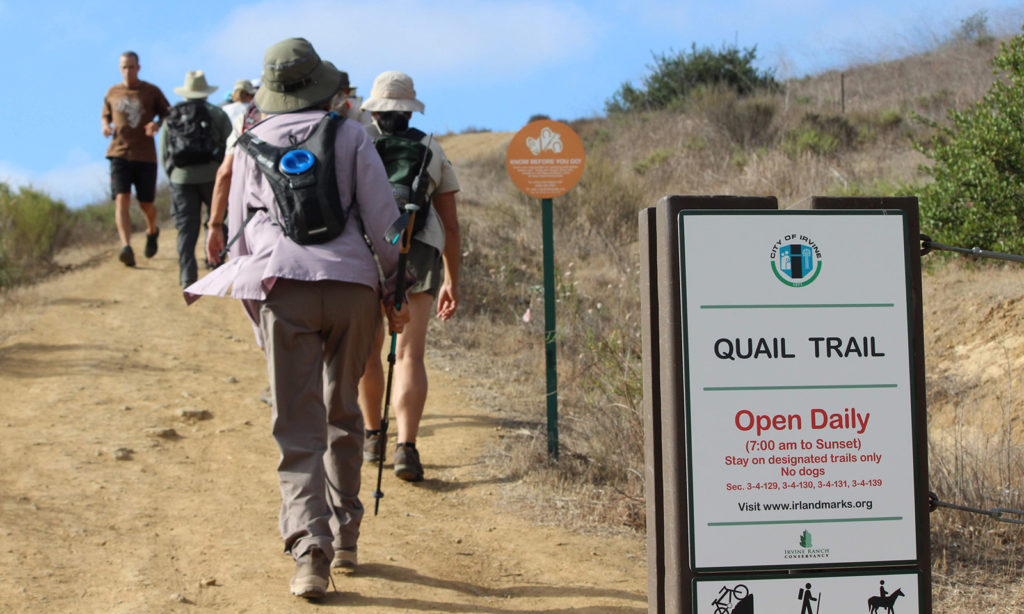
x,y
195,86
392,91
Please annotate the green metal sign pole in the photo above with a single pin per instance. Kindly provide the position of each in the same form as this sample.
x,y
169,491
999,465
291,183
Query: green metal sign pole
x,y
550,346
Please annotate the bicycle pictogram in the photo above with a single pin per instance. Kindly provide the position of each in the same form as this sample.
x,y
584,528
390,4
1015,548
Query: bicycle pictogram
x,y
728,598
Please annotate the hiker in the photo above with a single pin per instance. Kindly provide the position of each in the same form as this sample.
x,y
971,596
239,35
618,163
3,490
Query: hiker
x,y
192,147
241,98
315,307
348,104
222,183
132,112
434,260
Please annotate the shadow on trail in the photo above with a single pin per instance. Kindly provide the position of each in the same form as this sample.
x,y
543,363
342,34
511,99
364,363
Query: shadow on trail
x,y
38,360
507,594
435,423
442,486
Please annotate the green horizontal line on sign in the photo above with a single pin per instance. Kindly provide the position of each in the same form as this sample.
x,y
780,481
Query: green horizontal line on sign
x,y
829,387
753,522
801,306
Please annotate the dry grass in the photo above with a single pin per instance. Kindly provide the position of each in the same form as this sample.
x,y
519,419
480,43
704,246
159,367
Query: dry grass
x,y
792,145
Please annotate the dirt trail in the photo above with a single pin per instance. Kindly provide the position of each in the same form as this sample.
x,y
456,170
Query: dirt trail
x,y
104,359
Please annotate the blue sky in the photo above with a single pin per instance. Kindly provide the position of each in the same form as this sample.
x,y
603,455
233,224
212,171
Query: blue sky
x,y
482,64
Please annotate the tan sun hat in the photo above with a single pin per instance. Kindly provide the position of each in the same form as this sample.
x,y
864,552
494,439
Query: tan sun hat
x,y
245,85
295,78
195,86
393,91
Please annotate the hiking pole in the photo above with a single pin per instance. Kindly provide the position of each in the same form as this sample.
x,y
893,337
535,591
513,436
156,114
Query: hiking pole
x,y
394,234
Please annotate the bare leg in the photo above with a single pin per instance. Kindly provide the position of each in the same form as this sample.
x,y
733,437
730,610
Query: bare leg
x,y
150,212
371,386
122,218
410,382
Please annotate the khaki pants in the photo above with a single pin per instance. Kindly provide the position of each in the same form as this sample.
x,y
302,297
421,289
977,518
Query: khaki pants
x,y
317,337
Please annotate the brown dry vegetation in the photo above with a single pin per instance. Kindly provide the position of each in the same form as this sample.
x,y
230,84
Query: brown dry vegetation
x,y
792,144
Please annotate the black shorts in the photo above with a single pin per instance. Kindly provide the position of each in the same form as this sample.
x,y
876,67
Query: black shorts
x,y
125,173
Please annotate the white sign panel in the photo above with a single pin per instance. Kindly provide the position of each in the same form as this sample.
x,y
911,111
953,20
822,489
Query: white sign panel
x,y
798,384
882,593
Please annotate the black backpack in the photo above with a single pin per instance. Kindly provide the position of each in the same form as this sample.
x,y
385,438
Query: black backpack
x,y
190,135
405,158
302,178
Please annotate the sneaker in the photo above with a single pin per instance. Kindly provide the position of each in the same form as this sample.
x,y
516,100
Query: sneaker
x,y
373,447
312,571
407,462
151,244
127,256
345,558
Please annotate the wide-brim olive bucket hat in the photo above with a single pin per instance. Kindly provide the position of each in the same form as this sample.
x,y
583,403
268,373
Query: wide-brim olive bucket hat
x,y
295,78
393,91
195,86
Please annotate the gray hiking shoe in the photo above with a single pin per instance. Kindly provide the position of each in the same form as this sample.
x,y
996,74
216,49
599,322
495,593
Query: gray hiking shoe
x,y
312,572
373,446
345,558
407,463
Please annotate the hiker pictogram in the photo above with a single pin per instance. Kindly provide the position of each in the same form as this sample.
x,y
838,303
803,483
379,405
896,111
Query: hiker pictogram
x,y
884,600
735,600
806,597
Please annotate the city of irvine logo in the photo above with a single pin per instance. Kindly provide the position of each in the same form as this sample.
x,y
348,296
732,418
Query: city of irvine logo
x,y
796,260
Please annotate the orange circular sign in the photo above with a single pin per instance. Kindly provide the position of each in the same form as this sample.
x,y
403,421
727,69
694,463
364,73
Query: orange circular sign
x,y
545,159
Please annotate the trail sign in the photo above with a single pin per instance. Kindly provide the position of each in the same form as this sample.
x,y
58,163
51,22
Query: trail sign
x,y
545,160
786,457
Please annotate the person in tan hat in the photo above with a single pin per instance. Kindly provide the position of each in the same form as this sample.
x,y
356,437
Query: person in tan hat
x,y
192,147
241,98
434,259
315,308
132,112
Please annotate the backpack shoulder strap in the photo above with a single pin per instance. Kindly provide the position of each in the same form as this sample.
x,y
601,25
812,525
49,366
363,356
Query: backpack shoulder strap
x,y
413,134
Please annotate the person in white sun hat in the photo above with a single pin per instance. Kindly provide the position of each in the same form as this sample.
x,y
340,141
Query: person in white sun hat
x,y
433,259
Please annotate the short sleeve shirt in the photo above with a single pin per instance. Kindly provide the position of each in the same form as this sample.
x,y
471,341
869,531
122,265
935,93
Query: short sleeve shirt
x,y
129,109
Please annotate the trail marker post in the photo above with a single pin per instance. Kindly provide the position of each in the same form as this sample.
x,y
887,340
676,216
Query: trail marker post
x,y
544,160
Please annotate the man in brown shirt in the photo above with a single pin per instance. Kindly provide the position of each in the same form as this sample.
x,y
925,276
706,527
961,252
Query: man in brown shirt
x,y
132,112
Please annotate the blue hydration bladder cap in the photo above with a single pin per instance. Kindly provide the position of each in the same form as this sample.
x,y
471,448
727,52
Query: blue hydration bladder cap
x,y
296,162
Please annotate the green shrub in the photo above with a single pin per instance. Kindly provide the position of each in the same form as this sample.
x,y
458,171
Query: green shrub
x,y
976,197
673,78
746,120
654,159
32,227
820,134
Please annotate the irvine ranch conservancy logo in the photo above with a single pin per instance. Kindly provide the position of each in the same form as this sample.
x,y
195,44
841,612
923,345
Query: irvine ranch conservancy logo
x,y
796,260
807,549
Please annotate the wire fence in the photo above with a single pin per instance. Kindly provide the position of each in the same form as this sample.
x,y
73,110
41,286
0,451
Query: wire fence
x,y
1001,514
